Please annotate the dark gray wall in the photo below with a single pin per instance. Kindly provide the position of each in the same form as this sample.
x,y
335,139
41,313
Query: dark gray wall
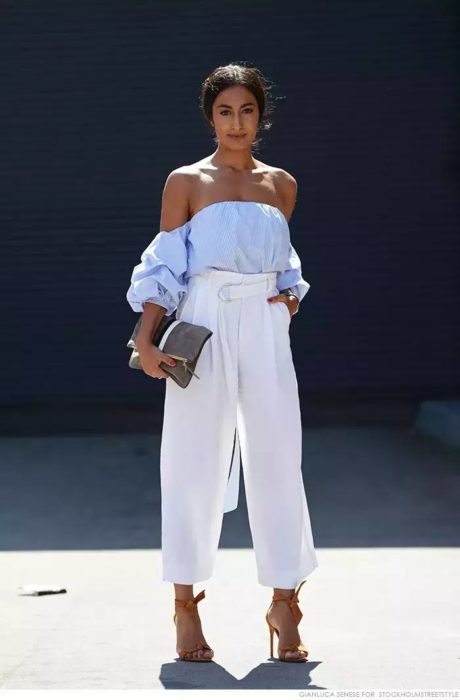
x,y
101,102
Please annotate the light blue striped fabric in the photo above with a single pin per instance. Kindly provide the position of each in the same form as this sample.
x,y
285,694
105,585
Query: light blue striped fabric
x,y
241,236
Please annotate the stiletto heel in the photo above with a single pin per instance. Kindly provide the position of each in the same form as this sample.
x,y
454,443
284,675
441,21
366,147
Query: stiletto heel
x,y
292,601
191,606
271,630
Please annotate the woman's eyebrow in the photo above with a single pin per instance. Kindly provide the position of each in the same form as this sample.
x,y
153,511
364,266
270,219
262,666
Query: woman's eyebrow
x,y
230,107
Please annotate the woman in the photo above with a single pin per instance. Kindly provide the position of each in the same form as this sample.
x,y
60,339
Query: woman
x,y
225,238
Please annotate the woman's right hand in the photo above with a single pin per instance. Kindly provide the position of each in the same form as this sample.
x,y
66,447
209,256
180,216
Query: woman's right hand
x,y
150,357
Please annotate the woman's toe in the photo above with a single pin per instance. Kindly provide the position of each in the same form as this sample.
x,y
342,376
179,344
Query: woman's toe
x,y
297,654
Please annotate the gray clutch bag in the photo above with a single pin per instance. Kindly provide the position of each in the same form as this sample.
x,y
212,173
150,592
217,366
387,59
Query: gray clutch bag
x,y
181,340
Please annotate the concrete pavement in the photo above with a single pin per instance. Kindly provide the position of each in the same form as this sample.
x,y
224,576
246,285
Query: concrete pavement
x,y
380,611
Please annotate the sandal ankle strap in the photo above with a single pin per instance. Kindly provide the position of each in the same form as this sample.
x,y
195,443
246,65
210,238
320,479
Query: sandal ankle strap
x,y
190,604
292,601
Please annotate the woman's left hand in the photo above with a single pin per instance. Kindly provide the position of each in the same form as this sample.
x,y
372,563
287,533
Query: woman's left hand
x,y
291,302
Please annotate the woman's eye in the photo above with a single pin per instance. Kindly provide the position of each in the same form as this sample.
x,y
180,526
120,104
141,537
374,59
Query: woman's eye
x,y
227,111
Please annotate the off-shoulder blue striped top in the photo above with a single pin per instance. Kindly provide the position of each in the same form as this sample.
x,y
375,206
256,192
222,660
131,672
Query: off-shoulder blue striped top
x,y
241,236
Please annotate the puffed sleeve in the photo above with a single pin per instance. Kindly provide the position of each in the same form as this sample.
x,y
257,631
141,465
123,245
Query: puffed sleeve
x,y
292,276
160,276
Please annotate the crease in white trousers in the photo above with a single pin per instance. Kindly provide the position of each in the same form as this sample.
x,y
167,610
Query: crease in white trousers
x,y
244,408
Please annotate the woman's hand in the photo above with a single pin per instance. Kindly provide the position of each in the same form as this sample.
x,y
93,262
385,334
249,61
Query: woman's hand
x,y
291,302
150,357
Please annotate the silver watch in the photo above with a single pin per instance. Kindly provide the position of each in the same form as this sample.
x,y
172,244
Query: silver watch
x,y
290,293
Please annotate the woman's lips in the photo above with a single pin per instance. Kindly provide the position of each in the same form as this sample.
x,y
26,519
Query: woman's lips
x,y
237,136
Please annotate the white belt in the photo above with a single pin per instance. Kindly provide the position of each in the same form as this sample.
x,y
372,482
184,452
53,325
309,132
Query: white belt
x,y
230,291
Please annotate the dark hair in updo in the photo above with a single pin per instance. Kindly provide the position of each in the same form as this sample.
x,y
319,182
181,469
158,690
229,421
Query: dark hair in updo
x,y
246,75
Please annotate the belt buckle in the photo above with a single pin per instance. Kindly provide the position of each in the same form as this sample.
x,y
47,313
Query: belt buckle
x,y
227,284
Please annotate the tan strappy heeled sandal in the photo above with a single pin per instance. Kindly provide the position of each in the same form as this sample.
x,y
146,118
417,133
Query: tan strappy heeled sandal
x,y
191,606
292,601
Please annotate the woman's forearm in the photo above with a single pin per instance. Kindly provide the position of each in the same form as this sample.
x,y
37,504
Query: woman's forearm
x,y
151,317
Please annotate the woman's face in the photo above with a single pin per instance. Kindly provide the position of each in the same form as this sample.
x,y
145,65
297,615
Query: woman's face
x,y
235,115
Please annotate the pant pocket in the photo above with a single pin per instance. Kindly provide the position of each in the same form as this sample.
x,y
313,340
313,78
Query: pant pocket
x,y
285,311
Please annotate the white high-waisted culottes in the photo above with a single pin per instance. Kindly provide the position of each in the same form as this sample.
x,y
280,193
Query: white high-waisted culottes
x,y
245,403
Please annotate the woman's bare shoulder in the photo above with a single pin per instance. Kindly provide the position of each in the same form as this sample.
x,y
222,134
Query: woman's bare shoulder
x,y
286,188
178,193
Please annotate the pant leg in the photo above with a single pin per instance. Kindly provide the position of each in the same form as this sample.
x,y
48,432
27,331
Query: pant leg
x,y
270,432
198,440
